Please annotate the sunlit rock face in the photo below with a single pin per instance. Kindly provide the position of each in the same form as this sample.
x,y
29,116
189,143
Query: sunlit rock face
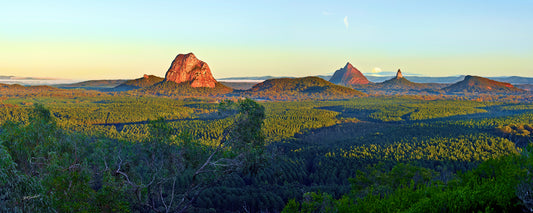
x,y
187,68
348,75
399,74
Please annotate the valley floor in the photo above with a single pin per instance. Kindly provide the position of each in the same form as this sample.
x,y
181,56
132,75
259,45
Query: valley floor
x,y
149,154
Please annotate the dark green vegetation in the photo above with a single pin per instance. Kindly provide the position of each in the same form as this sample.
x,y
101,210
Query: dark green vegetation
x,y
401,83
96,152
173,89
239,85
15,90
472,87
315,88
45,168
93,84
145,81
301,89
400,86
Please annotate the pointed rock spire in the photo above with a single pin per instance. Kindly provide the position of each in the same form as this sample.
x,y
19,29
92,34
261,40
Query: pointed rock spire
x,y
399,74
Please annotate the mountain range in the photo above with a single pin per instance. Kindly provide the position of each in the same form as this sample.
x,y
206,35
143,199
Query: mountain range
x,y
188,76
416,79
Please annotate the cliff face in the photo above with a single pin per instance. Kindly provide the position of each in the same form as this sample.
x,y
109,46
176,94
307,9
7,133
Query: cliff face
x,y
348,75
187,68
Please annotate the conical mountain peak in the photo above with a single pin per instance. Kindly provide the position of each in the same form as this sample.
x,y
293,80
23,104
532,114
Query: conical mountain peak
x,y
348,75
348,65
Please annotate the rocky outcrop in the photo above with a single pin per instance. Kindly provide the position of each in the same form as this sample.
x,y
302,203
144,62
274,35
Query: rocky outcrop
x,y
187,68
399,74
401,83
348,75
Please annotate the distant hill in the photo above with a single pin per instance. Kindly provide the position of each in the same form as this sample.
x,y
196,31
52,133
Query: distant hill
x,y
528,87
92,84
254,78
441,80
301,88
400,83
513,79
184,89
415,79
476,84
264,78
16,90
348,75
145,81
239,85
7,88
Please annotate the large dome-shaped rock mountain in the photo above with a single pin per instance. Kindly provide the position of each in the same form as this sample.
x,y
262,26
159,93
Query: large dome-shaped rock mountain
x,y
348,75
188,68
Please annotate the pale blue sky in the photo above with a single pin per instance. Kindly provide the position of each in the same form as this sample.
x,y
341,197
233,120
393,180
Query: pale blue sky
x,y
125,39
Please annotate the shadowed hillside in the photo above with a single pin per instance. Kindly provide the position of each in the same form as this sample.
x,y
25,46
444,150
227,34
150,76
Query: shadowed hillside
x,y
15,90
172,89
145,81
478,84
301,88
399,82
92,84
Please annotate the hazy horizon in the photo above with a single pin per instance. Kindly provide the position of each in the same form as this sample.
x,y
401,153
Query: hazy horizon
x,y
114,40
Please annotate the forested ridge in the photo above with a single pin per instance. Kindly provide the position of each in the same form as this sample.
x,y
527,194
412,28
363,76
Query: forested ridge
x,y
98,152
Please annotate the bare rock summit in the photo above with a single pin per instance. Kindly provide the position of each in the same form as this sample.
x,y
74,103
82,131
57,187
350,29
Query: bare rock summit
x,y
399,74
348,75
187,68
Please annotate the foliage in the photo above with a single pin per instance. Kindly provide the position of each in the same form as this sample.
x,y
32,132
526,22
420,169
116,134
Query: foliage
x,y
173,89
138,153
146,81
165,172
301,89
492,186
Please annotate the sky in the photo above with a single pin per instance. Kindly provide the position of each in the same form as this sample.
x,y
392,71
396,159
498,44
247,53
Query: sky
x,y
112,39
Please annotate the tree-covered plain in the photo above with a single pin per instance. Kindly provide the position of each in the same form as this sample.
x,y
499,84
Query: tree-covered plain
x,y
100,152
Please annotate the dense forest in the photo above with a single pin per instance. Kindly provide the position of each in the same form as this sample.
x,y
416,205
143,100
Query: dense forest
x,y
84,151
